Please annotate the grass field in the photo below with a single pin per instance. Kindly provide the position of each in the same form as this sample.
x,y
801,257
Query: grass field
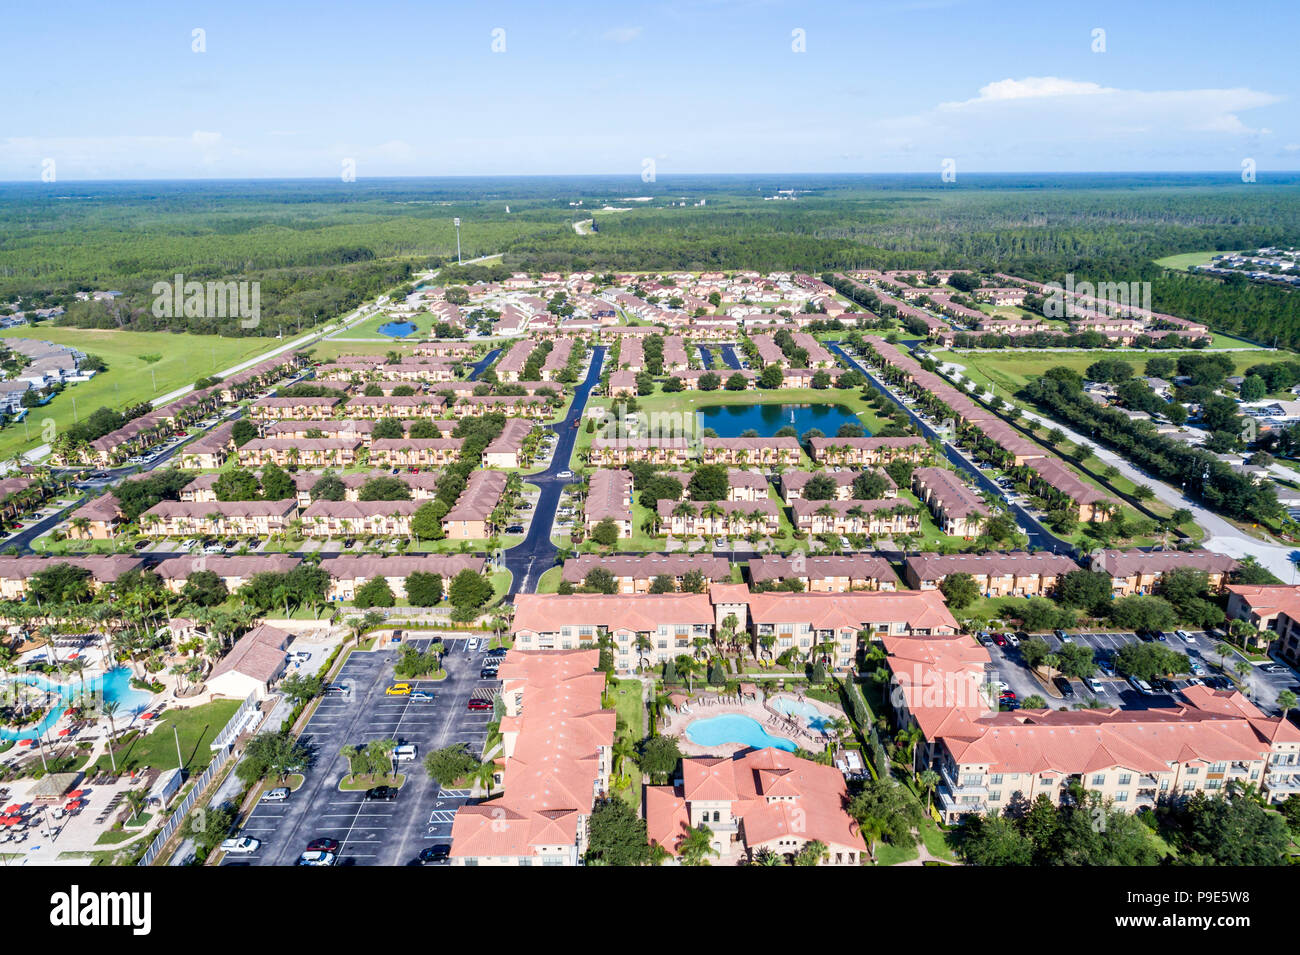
x,y
197,728
631,719
1186,260
129,379
1008,371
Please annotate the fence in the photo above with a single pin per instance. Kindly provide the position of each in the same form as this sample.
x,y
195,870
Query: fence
x,y
226,738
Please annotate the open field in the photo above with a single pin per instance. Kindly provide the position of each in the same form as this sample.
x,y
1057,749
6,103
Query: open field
x,y
1187,259
128,381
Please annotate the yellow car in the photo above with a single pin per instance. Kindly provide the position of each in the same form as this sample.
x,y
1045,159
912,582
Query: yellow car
x,y
399,689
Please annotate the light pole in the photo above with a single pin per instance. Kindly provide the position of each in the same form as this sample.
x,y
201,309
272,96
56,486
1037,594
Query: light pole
x,y
456,223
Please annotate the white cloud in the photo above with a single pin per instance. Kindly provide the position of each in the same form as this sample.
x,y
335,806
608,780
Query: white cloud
x,y
621,34
1031,87
206,139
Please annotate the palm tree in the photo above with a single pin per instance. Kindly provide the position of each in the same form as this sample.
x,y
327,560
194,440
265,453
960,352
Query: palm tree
x,y
767,857
696,846
1286,701
928,780
110,710
136,800
1223,649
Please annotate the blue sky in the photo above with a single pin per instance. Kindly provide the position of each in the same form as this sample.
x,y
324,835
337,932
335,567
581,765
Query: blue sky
x,y
115,90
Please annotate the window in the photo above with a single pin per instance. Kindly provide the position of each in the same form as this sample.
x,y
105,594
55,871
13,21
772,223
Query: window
x,y
1099,779
995,796
1218,767
995,779
1125,779
1193,770
1122,796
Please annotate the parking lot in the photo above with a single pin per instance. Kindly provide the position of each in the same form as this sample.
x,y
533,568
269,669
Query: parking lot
x,y
377,832
1114,690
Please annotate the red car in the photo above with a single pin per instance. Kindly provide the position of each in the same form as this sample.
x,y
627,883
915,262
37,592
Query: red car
x,y
323,845
1000,639
477,704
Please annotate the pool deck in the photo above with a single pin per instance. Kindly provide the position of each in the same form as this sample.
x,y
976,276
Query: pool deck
x,y
705,707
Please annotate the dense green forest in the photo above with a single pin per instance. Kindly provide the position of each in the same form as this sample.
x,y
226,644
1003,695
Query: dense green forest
x,y
320,247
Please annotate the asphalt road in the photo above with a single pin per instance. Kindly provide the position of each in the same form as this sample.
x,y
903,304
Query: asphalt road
x,y
376,832
1039,536
531,558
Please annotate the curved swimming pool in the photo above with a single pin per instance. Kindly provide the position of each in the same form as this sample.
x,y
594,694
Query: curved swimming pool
x,y
734,728
115,685
814,717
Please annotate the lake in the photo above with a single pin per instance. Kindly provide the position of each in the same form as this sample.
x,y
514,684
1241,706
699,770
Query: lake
x,y
397,329
731,421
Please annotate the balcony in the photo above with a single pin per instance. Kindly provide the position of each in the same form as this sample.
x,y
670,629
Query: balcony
x,y
950,803
960,789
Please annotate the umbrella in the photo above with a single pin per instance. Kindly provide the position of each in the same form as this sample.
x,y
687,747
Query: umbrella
x,y
9,820
16,807
72,804
146,716
65,731
76,794
24,742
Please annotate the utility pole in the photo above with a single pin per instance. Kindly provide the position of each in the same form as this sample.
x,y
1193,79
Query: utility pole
x,y
456,223
180,762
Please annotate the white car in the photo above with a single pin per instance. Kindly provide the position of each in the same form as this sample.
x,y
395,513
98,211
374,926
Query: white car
x,y
565,474
1012,640
189,544
316,858
241,846
1094,684
1182,635
1000,685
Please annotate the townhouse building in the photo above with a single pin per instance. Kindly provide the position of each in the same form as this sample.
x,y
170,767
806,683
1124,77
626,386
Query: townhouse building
x,y
880,516
957,509
794,482
210,451
293,409
252,518
825,573
508,449
396,406
751,452
351,572
997,574
614,452
324,519
609,497
470,518
1050,479
306,452
718,518
234,571
415,452
96,520
16,573
634,573
868,452
1140,572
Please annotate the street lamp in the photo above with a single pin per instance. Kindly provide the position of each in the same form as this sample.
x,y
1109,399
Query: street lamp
x,y
456,223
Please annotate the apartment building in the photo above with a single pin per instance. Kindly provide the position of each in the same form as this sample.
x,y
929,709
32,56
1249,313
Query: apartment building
x,y
350,573
616,452
294,409
957,509
868,452
880,516
756,800
96,520
634,573
207,518
997,574
718,518
210,451
794,482
305,452
609,497
1051,480
825,573
415,452
234,571
360,518
396,406
741,485
556,761
751,452
470,518
1140,572
1274,609
507,449
16,573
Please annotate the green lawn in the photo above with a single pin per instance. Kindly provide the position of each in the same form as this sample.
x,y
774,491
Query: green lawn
x,y
887,854
549,582
1187,259
631,718
197,727
128,381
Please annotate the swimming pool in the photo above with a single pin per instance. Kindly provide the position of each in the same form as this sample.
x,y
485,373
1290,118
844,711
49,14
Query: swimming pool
x,y
115,685
814,717
733,728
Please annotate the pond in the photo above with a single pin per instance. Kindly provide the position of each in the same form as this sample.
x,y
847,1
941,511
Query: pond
x,y
397,329
731,421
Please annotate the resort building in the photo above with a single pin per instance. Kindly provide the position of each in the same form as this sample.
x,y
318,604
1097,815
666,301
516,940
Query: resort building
x,y
324,519
881,516
756,800
957,509
415,452
350,572
234,571
794,482
470,518
252,518
557,744
305,452
96,520
1139,572
634,573
16,572
751,452
718,518
868,452
617,452
609,497
825,573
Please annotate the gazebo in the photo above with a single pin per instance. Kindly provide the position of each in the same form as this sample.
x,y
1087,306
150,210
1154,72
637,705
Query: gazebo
x,y
53,787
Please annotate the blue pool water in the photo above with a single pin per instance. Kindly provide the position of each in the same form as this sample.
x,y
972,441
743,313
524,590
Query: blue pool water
x,y
115,686
731,421
732,728
810,714
397,329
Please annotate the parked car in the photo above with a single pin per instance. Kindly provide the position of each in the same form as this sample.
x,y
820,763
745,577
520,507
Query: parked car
x,y
435,853
472,646
323,845
565,474
1182,635
497,652
405,753
1094,684
1273,668
1000,685
487,673
1012,640
385,793
240,846
1063,684
421,696
279,794
316,858
478,704
399,689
